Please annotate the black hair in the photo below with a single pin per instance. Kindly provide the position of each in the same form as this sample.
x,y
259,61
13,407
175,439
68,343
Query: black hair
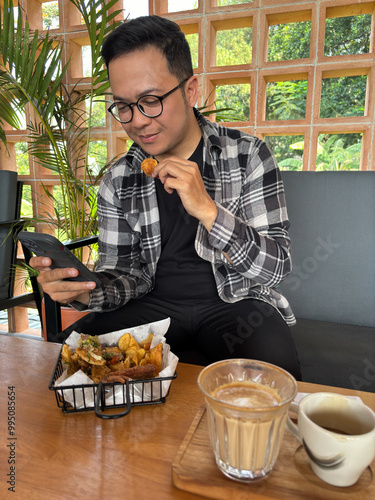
x,y
153,31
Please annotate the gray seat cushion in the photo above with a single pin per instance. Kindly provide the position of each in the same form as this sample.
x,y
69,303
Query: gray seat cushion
x,y
332,216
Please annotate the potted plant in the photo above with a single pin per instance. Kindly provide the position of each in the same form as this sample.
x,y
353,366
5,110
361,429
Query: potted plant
x,y
61,116
59,130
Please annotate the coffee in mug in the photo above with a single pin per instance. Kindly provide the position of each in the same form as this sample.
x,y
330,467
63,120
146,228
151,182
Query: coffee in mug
x,y
338,433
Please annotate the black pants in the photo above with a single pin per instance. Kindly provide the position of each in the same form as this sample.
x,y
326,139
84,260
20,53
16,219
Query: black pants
x,y
206,332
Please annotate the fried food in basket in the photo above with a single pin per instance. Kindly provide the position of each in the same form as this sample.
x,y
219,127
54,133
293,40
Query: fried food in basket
x,y
128,360
135,373
148,166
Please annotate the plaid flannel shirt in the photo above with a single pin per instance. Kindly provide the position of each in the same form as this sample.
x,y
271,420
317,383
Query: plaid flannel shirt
x,y
248,245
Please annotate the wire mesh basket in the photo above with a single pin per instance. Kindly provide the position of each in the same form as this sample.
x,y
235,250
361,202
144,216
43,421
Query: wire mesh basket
x,y
105,396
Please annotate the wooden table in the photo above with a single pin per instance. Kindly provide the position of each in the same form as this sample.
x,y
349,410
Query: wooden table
x,y
80,456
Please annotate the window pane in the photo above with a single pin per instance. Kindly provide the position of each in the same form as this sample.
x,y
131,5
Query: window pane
x,y
192,40
286,100
181,5
347,35
223,3
343,96
96,10
98,112
26,203
135,8
86,60
236,97
97,156
289,41
287,149
339,151
233,46
22,158
50,13
58,199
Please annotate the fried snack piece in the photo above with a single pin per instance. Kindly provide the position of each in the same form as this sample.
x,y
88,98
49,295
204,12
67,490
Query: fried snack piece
x,y
81,363
146,343
93,357
66,356
112,355
99,372
127,342
148,166
89,341
121,365
154,357
114,358
76,360
135,373
140,353
135,355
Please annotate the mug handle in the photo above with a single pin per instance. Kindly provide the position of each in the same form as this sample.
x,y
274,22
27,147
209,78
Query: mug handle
x,y
291,426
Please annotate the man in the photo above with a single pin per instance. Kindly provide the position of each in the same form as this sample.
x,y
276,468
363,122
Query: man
x,y
203,241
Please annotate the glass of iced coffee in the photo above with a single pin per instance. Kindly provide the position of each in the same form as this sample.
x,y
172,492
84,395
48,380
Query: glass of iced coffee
x,y
247,403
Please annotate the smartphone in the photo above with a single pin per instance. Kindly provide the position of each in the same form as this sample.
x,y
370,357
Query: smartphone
x,y
46,245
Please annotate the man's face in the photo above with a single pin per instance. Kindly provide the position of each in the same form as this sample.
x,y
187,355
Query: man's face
x,y
145,72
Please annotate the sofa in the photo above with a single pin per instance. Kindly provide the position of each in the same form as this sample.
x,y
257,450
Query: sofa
x,y
332,285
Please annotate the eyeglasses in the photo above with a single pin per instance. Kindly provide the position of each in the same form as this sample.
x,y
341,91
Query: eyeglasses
x,y
149,105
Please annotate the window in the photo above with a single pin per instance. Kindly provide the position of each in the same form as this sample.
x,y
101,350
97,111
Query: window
x,y
50,13
343,96
287,149
289,41
236,97
339,151
22,158
347,35
286,100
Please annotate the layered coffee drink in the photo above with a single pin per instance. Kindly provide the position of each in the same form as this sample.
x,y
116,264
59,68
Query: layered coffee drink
x,y
248,439
247,403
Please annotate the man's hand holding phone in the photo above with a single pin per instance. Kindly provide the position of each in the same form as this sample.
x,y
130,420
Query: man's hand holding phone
x,y
55,283
62,275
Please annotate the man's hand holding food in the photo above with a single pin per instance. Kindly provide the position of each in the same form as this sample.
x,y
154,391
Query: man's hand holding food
x,y
184,176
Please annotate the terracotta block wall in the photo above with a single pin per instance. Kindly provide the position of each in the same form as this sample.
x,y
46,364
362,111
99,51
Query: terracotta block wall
x,y
209,17
206,20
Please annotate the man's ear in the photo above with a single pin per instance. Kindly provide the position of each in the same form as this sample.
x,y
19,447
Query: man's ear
x,y
191,91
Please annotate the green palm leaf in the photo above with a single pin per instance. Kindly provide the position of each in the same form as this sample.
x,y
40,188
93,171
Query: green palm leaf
x,y
59,129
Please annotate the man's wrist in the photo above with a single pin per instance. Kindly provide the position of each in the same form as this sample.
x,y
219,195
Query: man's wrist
x,y
84,298
209,216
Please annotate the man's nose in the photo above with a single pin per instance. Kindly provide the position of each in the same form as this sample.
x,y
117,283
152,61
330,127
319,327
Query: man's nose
x,y
139,119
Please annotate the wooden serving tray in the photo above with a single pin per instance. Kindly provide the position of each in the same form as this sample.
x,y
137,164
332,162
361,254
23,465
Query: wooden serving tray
x,y
194,470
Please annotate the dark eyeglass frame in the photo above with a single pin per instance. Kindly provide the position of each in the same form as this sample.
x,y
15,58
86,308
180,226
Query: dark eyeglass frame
x,y
131,104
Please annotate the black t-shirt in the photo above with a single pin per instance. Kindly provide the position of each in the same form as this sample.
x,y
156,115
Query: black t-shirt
x,y
181,275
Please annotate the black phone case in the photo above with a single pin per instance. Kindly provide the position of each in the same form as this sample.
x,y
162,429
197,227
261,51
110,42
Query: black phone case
x,y
46,245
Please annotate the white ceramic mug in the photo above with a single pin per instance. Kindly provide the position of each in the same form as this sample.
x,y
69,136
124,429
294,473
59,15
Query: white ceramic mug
x,y
338,433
